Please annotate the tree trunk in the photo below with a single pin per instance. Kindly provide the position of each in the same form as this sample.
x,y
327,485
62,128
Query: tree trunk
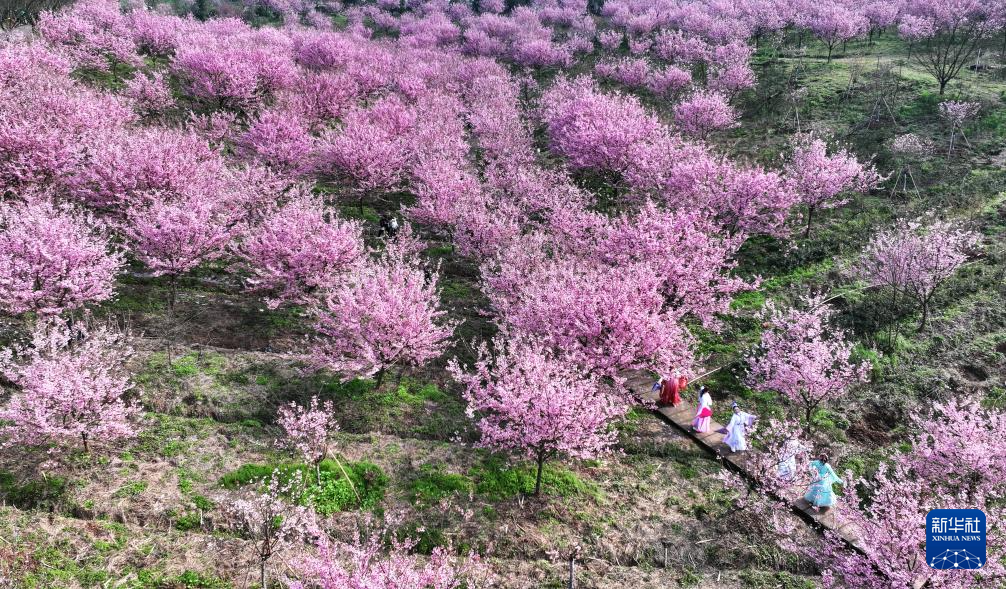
x,y
810,218
262,576
83,436
537,478
173,292
943,86
380,378
925,314
829,52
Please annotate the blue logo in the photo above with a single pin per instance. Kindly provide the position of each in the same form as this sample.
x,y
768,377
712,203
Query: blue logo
x,y
955,539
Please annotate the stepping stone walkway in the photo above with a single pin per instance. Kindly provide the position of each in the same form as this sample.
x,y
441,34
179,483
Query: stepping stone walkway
x,y
681,417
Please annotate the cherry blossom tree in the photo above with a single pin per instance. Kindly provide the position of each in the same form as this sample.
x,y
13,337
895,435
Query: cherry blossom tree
x,y
956,113
915,258
531,401
380,560
835,23
603,318
803,358
269,521
704,112
821,179
942,470
592,129
71,384
950,34
173,237
299,249
307,430
53,258
151,95
382,315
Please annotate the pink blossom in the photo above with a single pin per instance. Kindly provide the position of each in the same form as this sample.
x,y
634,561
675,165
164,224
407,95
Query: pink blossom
x,y
71,384
53,258
530,401
299,249
916,258
804,359
385,314
704,112
307,428
151,94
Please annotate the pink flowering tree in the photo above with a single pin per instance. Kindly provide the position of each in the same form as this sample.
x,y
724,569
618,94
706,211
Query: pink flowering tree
x,y
592,129
821,179
307,430
278,138
956,113
151,94
53,258
604,319
958,444
703,113
954,462
914,259
174,237
835,23
950,34
803,358
531,401
384,314
299,250
370,151
380,560
71,383
269,521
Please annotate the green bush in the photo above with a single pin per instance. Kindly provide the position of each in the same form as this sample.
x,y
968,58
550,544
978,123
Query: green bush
x,y
334,493
495,480
130,489
36,494
433,484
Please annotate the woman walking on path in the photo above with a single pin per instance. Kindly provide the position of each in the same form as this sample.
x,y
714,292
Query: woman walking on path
x,y
703,415
820,494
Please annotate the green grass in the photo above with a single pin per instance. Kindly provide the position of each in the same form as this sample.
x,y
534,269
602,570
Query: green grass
x,y
131,489
434,484
333,494
755,579
40,493
497,481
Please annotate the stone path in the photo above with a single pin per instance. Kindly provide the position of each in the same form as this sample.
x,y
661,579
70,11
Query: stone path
x,y
682,416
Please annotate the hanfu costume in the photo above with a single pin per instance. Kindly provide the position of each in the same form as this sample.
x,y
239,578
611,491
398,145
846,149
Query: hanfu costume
x,y
670,393
736,436
787,460
820,493
704,414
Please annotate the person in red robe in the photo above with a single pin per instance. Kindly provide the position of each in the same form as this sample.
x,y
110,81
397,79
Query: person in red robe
x,y
670,391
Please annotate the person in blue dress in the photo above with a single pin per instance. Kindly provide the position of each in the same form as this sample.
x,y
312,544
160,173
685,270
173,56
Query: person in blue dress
x,y
820,494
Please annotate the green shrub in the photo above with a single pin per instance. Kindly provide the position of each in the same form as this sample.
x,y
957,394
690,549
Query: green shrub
x,y
35,494
131,489
495,480
189,521
334,493
433,484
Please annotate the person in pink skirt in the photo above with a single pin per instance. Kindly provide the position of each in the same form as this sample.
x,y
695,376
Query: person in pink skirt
x,y
704,414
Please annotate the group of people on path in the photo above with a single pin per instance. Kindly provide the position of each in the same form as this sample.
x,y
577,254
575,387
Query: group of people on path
x,y
671,388
820,494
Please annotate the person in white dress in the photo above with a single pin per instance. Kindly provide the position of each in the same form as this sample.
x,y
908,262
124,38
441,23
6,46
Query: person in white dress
x,y
737,430
704,413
